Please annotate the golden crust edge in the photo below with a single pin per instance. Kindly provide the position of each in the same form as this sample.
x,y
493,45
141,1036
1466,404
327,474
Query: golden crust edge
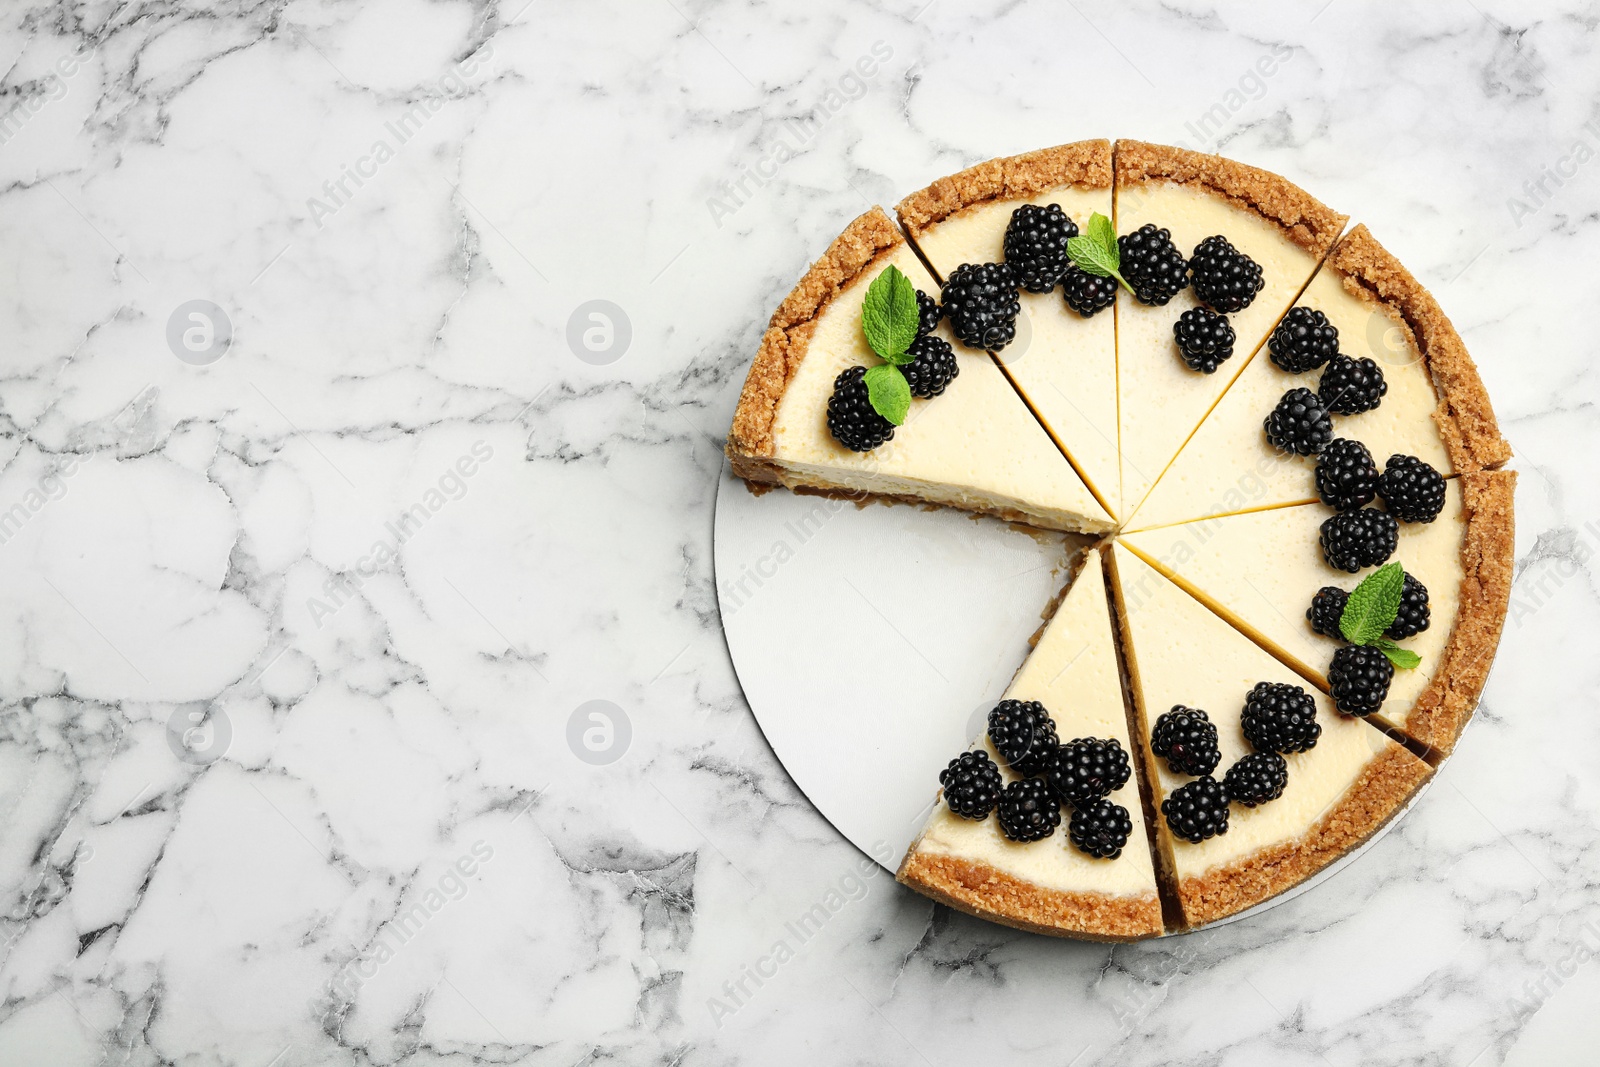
x,y
1086,163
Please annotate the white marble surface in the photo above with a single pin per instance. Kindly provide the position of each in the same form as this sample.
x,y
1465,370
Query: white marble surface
x,y
204,552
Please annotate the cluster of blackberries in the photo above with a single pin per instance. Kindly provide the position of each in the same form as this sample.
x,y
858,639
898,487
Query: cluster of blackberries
x,y
1225,280
1276,719
1347,481
1359,676
1036,253
1302,422
852,419
1080,774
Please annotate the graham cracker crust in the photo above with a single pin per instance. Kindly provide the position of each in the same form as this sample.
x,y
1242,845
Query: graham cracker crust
x,y
978,889
1086,163
1465,416
1304,219
1376,797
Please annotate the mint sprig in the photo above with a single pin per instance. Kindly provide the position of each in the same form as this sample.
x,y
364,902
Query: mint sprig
x,y
1372,608
890,319
1095,250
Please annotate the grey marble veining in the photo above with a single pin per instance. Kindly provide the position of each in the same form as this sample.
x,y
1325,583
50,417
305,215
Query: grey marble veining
x,y
302,631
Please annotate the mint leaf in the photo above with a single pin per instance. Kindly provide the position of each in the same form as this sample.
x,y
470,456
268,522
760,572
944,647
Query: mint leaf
x,y
889,315
1403,658
1101,231
1373,605
888,392
1095,250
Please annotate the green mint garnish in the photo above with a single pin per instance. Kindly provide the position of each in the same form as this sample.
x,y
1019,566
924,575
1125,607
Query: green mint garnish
x,y
1095,250
889,392
1371,610
890,318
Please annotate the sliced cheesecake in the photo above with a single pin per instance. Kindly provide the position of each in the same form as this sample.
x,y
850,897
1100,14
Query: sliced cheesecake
x,y
976,447
1338,793
1260,570
1284,229
1063,363
1048,886
1435,407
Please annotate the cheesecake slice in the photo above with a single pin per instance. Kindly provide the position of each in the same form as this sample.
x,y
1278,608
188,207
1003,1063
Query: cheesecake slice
x,y
976,447
1195,196
1049,886
1338,794
1259,570
1065,365
1435,408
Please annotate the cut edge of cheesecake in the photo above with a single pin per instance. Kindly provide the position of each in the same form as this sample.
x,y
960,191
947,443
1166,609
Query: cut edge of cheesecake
x,y
1085,163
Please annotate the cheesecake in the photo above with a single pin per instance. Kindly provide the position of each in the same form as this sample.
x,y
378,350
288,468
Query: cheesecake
x,y
1337,794
1062,363
1049,886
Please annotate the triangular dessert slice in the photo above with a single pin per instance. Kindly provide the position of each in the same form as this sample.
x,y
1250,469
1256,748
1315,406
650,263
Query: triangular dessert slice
x,y
1064,363
1337,792
1282,228
1433,407
977,446
1261,570
1049,886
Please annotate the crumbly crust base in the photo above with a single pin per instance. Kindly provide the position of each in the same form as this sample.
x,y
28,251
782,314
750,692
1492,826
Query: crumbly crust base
x,y
1465,416
1304,219
981,890
1376,797
1086,163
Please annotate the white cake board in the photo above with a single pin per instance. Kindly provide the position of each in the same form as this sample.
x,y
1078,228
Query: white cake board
x,y
871,642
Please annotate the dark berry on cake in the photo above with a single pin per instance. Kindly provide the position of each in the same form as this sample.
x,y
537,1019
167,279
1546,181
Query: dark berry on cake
x,y
1187,739
1024,735
1358,679
981,302
1414,612
1088,293
1279,717
1204,338
1303,340
1411,489
933,366
1028,810
972,785
1256,778
928,313
1365,537
1036,245
1326,609
1351,386
1347,478
852,420
1299,424
1100,828
1152,264
1222,276
1087,769
1197,810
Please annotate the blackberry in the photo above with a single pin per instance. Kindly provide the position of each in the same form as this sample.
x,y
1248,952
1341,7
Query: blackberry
x,y
1256,778
1303,340
928,313
1087,769
1204,338
1100,829
1365,537
1024,735
1223,276
1347,478
1197,810
851,418
972,785
1187,740
1036,245
1088,293
1152,264
1359,678
1028,812
1279,717
1299,424
1326,609
932,367
1351,386
981,302
1412,489
1413,616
